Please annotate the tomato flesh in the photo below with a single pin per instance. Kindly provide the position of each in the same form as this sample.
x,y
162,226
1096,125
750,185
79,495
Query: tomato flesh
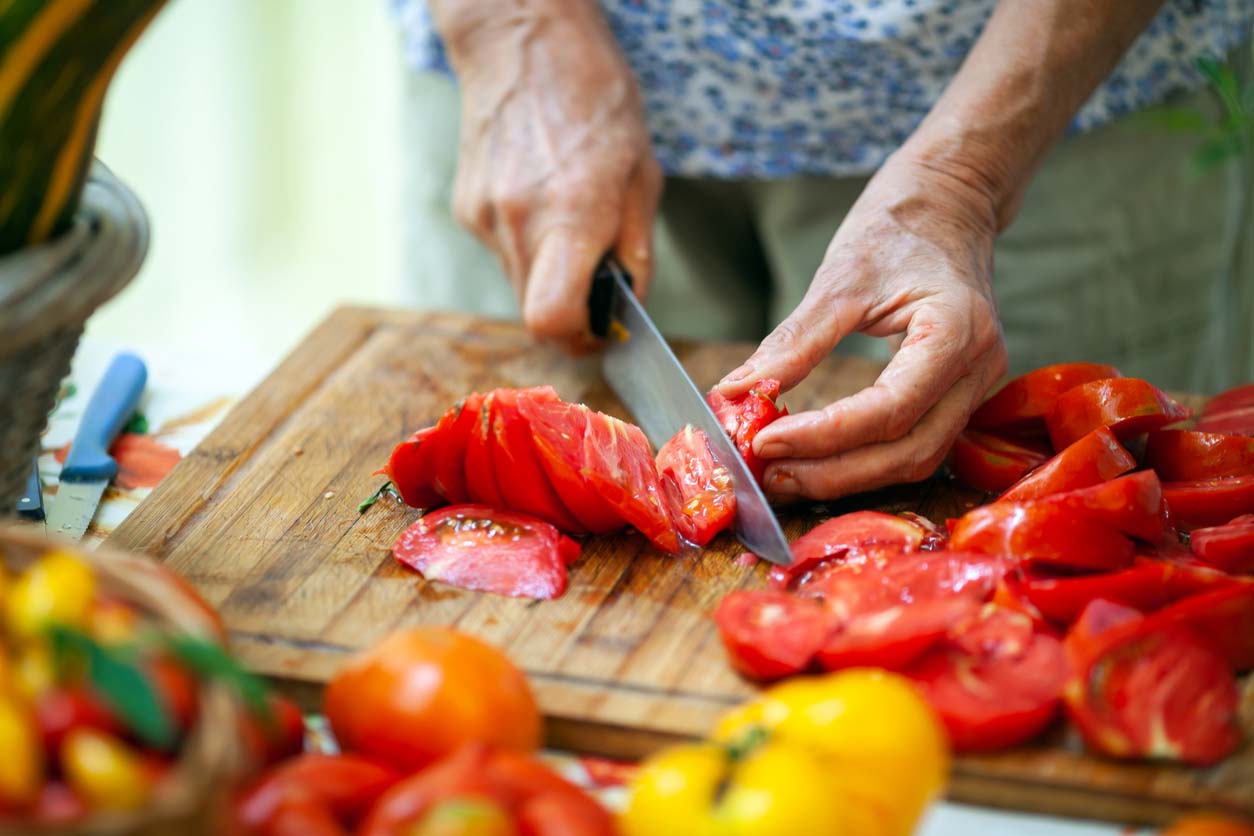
x,y
1189,456
1128,405
895,636
1229,546
619,465
558,430
1233,421
991,463
698,490
523,483
744,417
486,549
847,532
770,634
1130,504
1225,616
1235,398
1209,502
411,468
1021,405
1040,533
450,453
1149,585
1095,458
481,484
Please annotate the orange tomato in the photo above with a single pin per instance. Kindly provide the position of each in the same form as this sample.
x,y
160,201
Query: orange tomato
x,y
1209,825
420,694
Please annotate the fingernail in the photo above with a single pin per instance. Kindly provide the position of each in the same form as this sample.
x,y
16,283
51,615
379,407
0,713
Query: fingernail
x,y
782,484
776,450
737,375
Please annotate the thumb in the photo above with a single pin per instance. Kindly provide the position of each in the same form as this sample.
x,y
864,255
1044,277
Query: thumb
x,y
555,302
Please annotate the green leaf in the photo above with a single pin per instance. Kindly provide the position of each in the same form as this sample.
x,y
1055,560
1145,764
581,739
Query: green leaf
x,y
1224,80
210,662
386,487
137,424
1216,151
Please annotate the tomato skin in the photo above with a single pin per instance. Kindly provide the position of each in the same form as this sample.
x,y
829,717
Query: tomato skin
x,y
522,481
58,804
1020,406
411,467
60,710
1229,546
991,463
1128,405
847,532
450,453
1232,422
1225,616
1147,586
698,490
1132,505
1042,534
1190,456
744,417
345,785
282,738
480,468
1208,825
894,637
1097,457
768,634
1210,502
420,694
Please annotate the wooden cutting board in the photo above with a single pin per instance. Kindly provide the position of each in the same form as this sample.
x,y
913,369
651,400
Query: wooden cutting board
x,y
262,518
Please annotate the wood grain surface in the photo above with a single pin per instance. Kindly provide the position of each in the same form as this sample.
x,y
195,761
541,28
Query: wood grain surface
x,y
262,518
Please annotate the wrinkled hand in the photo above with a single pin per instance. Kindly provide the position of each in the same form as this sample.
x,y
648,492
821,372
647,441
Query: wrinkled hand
x,y
914,259
555,167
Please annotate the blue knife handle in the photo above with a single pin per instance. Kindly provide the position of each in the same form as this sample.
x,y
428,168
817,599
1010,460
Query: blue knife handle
x,y
107,412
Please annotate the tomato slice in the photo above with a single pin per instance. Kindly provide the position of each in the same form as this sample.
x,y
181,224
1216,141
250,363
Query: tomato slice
x,y
1040,533
1095,458
1020,406
992,463
894,637
411,469
1236,398
1224,615
450,454
618,464
1230,546
698,490
480,473
847,532
481,548
744,417
523,483
1209,502
1233,421
1128,405
1131,504
1188,456
1149,585
558,431
770,634
876,578
345,784
995,682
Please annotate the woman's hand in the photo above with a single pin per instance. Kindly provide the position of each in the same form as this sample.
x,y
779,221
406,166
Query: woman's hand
x,y
555,167
914,258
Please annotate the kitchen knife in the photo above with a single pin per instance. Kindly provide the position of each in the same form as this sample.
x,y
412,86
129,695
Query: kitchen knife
x,y
89,468
645,374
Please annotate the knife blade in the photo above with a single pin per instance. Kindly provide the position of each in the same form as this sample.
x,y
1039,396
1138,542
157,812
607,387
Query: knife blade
x,y
89,468
650,381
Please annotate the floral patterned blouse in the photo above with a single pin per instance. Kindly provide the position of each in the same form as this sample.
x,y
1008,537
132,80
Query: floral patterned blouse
x,y
775,88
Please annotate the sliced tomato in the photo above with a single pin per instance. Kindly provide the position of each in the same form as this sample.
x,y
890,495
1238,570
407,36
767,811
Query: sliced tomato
x,y
558,431
618,464
846,532
1020,406
523,483
894,637
770,634
1188,456
995,682
411,467
992,463
1224,615
486,549
1236,398
698,490
1131,504
1095,458
1146,586
1040,533
450,454
1209,502
1229,546
1232,421
744,417
481,484
1128,405
346,785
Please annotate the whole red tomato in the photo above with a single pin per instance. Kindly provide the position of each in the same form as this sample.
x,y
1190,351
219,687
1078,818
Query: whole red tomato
x,y
420,694
1208,825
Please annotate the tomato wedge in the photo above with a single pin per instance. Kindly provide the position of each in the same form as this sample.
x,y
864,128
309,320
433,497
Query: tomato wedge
x,y
877,578
1095,458
1209,502
1020,406
618,464
992,463
894,637
1040,533
1238,397
411,468
1232,421
1189,456
846,533
523,483
345,784
1130,504
744,417
771,634
698,490
1128,405
1230,546
450,453
1149,585
481,484
995,682
486,549
1224,616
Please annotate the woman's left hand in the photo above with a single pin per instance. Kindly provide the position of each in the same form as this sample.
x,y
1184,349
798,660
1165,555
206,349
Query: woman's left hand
x,y
913,258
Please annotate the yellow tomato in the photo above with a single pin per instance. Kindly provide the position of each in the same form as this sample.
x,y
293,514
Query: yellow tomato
x,y
103,771
33,672
465,817
21,754
56,589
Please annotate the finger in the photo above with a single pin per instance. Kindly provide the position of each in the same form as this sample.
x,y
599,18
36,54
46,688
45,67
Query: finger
x,y
634,247
555,303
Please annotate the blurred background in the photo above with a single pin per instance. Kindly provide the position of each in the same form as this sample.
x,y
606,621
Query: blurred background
x,y
265,142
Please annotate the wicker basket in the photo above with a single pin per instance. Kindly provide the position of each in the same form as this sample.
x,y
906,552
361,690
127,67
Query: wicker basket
x,y
192,801
47,292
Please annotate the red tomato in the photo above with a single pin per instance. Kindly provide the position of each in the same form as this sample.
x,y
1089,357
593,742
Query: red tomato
x,y
995,682
1147,586
894,637
1095,458
744,417
1209,502
1233,421
283,737
866,582
991,463
1130,504
1208,825
840,535
1040,533
480,468
420,694
1020,406
523,483
302,815
60,710
1128,405
476,547
558,431
58,804
450,451
1236,398
698,490
177,689
1187,456
411,467
346,785
770,634
1224,615
1230,546
618,464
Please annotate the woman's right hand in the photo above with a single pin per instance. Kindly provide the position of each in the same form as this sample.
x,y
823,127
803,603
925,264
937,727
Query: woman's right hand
x,y
555,167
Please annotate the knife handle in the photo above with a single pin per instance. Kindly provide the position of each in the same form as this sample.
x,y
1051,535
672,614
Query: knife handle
x,y
601,297
31,505
110,406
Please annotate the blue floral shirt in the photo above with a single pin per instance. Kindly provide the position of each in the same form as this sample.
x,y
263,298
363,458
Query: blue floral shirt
x,y
774,88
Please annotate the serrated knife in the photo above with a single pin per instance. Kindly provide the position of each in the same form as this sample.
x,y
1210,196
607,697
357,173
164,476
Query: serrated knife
x,y
642,370
89,468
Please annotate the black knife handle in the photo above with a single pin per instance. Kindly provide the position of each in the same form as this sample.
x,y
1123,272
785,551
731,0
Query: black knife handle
x,y
601,296
31,505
